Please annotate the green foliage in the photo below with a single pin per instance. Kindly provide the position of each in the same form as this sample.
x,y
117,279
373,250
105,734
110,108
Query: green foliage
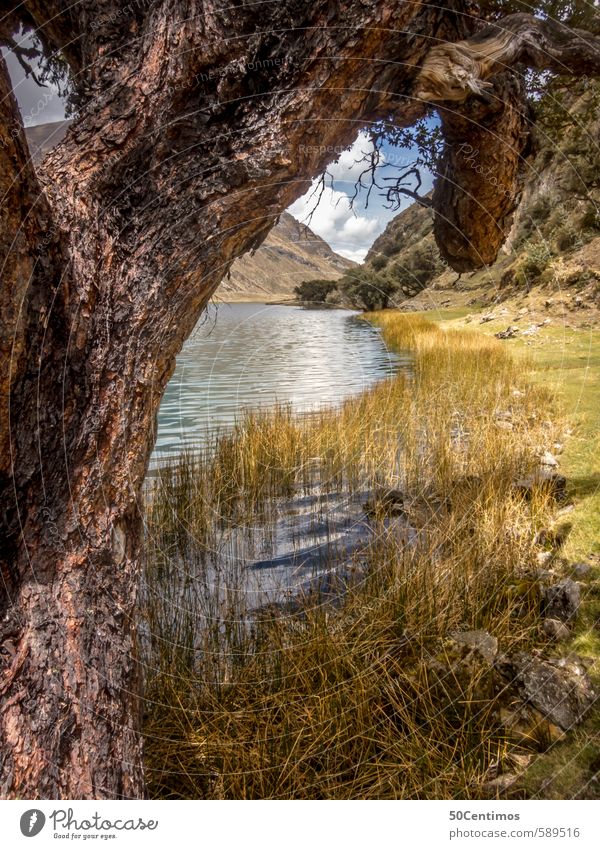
x,y
367,290
379,262
533,262
590,220
566,238
315,291
417,267
572,14
539,211
567,111
424,138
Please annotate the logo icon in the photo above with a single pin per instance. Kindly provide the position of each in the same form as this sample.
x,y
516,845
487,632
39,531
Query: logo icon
x,y
32,822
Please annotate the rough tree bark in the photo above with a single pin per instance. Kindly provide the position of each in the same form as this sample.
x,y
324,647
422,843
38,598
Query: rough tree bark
x,y
200,122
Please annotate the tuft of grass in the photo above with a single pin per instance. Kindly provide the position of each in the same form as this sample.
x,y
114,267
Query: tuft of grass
x,y
342,700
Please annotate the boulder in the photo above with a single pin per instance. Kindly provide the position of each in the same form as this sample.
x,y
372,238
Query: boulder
x,y
528,728
559,688
509,333
581,570
463,663
556,630
548,459
543,558
543,481
501,784
561,601
481,643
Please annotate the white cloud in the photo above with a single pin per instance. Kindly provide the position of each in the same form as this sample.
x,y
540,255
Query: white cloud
x,y
357,255
352,162
350,231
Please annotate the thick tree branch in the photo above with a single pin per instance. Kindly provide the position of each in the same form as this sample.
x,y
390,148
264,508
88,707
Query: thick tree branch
x,y
454,72
478,180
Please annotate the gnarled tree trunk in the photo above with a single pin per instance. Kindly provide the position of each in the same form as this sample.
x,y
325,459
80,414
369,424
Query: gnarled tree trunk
x,y
200,123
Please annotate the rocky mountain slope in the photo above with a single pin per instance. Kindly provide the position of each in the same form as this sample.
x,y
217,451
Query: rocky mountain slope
x,y
290,254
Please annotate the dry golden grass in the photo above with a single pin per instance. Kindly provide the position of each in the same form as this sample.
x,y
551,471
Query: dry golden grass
x,y
341,701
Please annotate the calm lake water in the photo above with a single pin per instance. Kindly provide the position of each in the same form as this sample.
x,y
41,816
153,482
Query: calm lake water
x,y
250,355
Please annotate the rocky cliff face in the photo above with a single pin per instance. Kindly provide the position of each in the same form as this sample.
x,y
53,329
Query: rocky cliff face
x,y
290,254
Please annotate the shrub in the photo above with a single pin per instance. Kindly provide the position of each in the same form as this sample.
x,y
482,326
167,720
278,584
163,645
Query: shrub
x,y
566,237
590,220
539,211
378,262
316,291
535,259
367,290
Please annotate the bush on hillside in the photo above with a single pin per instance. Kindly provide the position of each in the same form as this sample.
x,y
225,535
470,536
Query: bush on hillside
x,y
566,237
590,220
379,262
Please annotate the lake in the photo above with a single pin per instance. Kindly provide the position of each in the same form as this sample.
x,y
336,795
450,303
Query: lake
x,y
249,355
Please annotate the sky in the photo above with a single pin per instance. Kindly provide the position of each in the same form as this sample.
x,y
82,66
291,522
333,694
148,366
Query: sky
x,y
350,230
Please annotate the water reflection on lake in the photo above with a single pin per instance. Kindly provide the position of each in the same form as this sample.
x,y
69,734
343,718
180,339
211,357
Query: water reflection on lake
x,y
247,355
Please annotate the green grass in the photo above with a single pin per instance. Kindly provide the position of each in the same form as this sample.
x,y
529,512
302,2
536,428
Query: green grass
x,y
567,361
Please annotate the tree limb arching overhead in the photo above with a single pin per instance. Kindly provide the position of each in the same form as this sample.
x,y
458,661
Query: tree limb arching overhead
x,y
199,122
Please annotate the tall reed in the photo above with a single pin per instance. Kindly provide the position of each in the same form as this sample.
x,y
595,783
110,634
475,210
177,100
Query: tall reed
x,y
336,700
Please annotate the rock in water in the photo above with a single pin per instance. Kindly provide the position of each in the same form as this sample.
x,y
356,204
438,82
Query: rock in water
x,y
387,502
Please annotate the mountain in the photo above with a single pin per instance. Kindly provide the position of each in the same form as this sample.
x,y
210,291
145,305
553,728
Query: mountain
x,y
290,254
44,137
406,253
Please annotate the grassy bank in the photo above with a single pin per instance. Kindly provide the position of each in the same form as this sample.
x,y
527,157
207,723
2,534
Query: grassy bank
x,y
347,700
567,361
